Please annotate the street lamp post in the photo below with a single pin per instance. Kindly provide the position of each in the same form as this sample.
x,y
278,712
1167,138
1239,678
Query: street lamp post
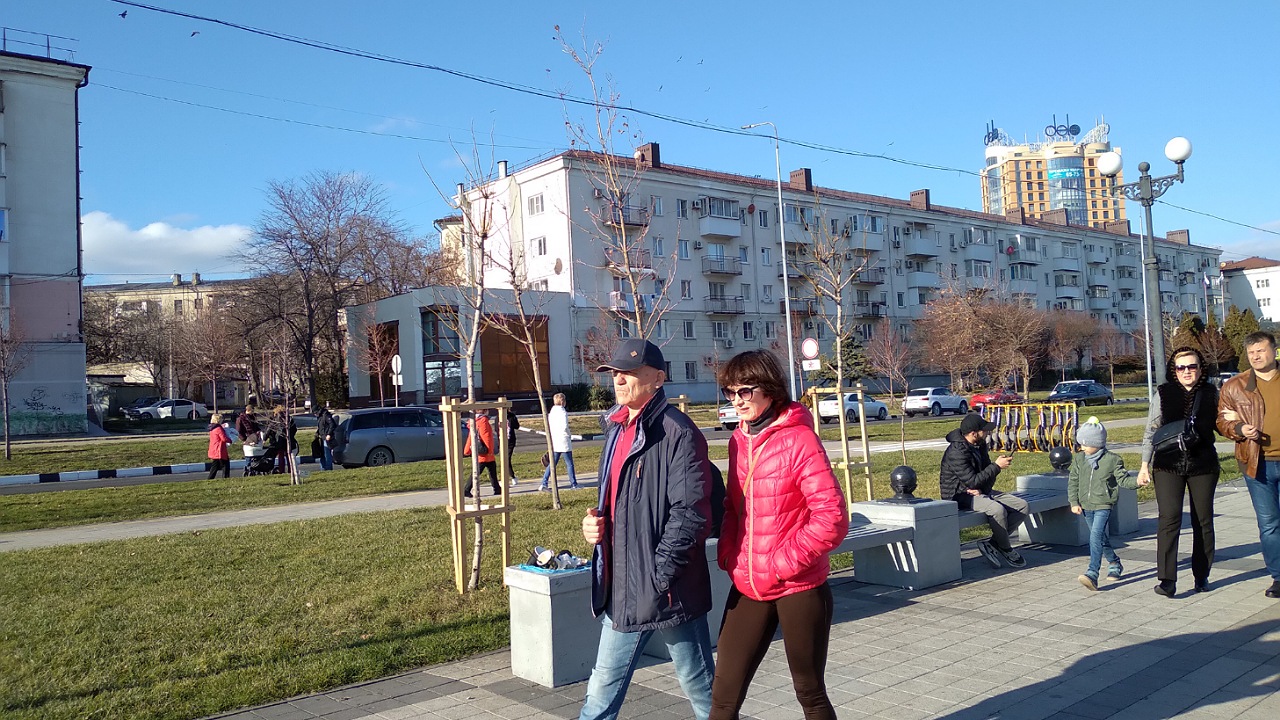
x,y
782,236
1146,190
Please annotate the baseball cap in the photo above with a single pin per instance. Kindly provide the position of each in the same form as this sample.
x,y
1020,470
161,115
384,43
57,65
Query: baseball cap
x,y
974,421
635,354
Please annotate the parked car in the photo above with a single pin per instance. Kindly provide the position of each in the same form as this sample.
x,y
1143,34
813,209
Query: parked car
x,y
1217,380
933,401
381,436
728,417
1081,392
173,408
1000,396
829,408
132,408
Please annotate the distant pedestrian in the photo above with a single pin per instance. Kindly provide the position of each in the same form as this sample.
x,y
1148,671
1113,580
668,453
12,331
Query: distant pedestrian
x,y
248,427
513,427
1093,488
561,442
218,442
325,424
283,433
480,440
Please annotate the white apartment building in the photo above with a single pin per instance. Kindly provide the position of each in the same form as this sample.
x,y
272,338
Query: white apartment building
x,y
711,241
40,271
1253,284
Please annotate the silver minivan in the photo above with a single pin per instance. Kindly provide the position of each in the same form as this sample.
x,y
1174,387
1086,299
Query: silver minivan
x,y
381,436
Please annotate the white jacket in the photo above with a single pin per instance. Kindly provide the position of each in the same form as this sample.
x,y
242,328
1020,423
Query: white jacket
x,y
558,425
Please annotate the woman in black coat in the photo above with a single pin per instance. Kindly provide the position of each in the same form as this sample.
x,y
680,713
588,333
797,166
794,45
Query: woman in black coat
x,y
1183,396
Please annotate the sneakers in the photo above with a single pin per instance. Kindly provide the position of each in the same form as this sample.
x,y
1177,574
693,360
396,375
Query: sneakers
x,y
1115,571
543,488
1202,585
1088,581
514,481
1166,588
989,553
1274,590
1012,557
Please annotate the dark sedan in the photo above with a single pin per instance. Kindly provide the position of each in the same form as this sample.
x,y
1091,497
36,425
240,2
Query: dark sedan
x,y
1081,393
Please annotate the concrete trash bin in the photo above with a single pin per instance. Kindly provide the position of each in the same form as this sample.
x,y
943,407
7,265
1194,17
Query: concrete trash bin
x,y
554,637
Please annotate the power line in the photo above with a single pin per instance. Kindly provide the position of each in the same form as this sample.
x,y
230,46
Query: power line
x,y
1219,217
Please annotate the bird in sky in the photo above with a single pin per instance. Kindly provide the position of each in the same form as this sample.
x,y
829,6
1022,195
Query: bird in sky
x,y
195,33
124,14
699,62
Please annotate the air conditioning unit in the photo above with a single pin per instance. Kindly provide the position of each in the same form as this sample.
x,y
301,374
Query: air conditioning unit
x,y
697,244
906,230
597,194
897,243
897,263
803,250
728,343
808,324
964,243
696,204
848,256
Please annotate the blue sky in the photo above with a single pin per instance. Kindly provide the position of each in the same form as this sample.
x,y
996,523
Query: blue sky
x,y
182,133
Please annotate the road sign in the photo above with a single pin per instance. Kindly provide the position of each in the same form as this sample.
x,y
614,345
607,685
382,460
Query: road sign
x,y
395,365
397,379
809,365
809,348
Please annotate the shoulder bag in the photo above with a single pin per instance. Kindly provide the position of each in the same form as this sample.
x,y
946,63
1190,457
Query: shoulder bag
x,y
1174,440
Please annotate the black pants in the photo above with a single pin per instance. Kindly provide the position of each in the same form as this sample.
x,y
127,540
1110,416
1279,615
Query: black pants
x,y
492,468
745,635
1170,489
215,465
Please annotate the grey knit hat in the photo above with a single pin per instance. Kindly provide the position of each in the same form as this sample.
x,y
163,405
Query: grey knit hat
x,y
1091,433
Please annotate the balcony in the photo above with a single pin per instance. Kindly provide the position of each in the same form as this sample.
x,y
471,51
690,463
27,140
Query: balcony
x,y
725,305
1099,298
720,227
868,310
633,259
1070,264
1023,287
1129,282
1026,256
791,271
979,251
1072,291
1130,304
870,276
628,216
1096,257
1167,283
802,306
624,302
1126,259
921,279
866,243
920,246
721,265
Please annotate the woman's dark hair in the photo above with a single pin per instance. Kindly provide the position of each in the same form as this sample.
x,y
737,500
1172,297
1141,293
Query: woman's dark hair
x,y
1171,375
761,369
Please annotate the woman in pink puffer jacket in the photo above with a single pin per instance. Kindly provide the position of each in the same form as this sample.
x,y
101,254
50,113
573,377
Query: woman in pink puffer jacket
x,y
784,513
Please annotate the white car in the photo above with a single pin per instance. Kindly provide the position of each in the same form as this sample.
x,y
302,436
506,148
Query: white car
x,y
728,417
829,408
179,408
933,401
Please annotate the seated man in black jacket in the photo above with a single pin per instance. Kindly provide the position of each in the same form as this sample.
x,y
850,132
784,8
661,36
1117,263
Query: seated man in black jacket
x,y
968,475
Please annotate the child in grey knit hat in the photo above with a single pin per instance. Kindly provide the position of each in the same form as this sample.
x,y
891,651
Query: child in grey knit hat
x,y
1093,486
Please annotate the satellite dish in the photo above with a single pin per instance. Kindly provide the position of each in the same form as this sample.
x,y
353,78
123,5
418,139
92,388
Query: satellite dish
x,y
1009,250
751,209
559,266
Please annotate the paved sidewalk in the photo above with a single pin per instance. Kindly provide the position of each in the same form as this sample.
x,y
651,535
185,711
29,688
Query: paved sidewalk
x,y
1022,644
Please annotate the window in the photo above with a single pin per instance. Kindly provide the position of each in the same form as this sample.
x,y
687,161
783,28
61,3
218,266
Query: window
x,y
770,329
4,218
199,303
683,247
902,299
764,218
744,254
663,330
535,204
720,330
691,370
835,227
689,334
822,331
686,289
437,337
766,293
682,208
742,215
923,298
177,307
716,289
715,250
539,245
667,369
539,286
749,330
875,224
624,328
745,291
792,213
655,205
720,207
977,269
659,246
766,257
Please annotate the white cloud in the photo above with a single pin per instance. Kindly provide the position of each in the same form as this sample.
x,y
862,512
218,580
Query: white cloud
x,y
159,249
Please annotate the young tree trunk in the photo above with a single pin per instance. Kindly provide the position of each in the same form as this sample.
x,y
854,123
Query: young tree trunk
x,y
4,397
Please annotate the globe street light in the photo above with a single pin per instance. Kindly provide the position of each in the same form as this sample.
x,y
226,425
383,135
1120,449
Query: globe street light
x,y
782,235
1145,191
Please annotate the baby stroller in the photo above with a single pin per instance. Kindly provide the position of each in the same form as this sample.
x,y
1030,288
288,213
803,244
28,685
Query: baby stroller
x,y
261,458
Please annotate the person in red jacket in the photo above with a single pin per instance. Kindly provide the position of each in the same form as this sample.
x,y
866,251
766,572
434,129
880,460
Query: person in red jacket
x,y
783,515
486,459
218,442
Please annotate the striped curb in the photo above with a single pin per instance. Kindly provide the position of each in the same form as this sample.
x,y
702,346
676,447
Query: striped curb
x,y
73,475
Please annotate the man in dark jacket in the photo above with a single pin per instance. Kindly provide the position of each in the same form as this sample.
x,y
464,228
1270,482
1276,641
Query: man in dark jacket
x,y
649,530
324,434
968,477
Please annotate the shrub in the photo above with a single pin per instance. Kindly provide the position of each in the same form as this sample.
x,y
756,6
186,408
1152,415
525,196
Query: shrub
x,y
601,397
577,397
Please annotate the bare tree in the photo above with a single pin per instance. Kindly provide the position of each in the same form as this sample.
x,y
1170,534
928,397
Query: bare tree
x,y
1073,335
15,355
209,348
1014,339
1215,346
953,331
890,355
1107,348
374,356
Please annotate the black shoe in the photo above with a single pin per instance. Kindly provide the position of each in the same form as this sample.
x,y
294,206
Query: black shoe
x,y
1274,590
1202,585
1167,588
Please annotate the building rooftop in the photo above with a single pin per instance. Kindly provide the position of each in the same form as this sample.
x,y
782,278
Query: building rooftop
x,y
168,284
1249,263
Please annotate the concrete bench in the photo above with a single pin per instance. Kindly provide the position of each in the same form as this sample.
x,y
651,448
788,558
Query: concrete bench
x,y
910,545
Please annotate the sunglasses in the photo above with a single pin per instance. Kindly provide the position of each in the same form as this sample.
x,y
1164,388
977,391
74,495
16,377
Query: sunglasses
x,y
1181,368
743,393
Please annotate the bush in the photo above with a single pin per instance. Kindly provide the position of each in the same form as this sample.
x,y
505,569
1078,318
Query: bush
x,y
601,397
577,397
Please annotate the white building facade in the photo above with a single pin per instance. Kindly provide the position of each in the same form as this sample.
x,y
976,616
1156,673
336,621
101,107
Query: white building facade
x,y
713,259
1254,284
40,243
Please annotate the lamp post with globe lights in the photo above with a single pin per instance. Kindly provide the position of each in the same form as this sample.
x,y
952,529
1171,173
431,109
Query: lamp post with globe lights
x,y
782,236
1146,190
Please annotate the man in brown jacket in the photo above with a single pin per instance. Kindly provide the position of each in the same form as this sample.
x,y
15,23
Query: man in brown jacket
x,y
1249,414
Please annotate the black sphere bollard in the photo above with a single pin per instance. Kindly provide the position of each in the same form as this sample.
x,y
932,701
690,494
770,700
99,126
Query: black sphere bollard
x,y
1060,459
903,481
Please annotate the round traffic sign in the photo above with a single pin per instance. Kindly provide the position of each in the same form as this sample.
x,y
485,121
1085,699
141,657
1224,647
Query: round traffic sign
x,y
809,348
395,364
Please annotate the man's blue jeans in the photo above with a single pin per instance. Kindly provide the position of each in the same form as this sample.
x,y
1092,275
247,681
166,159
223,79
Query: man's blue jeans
x,y
690,648
1099,540
326,456
1264,490
568,462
